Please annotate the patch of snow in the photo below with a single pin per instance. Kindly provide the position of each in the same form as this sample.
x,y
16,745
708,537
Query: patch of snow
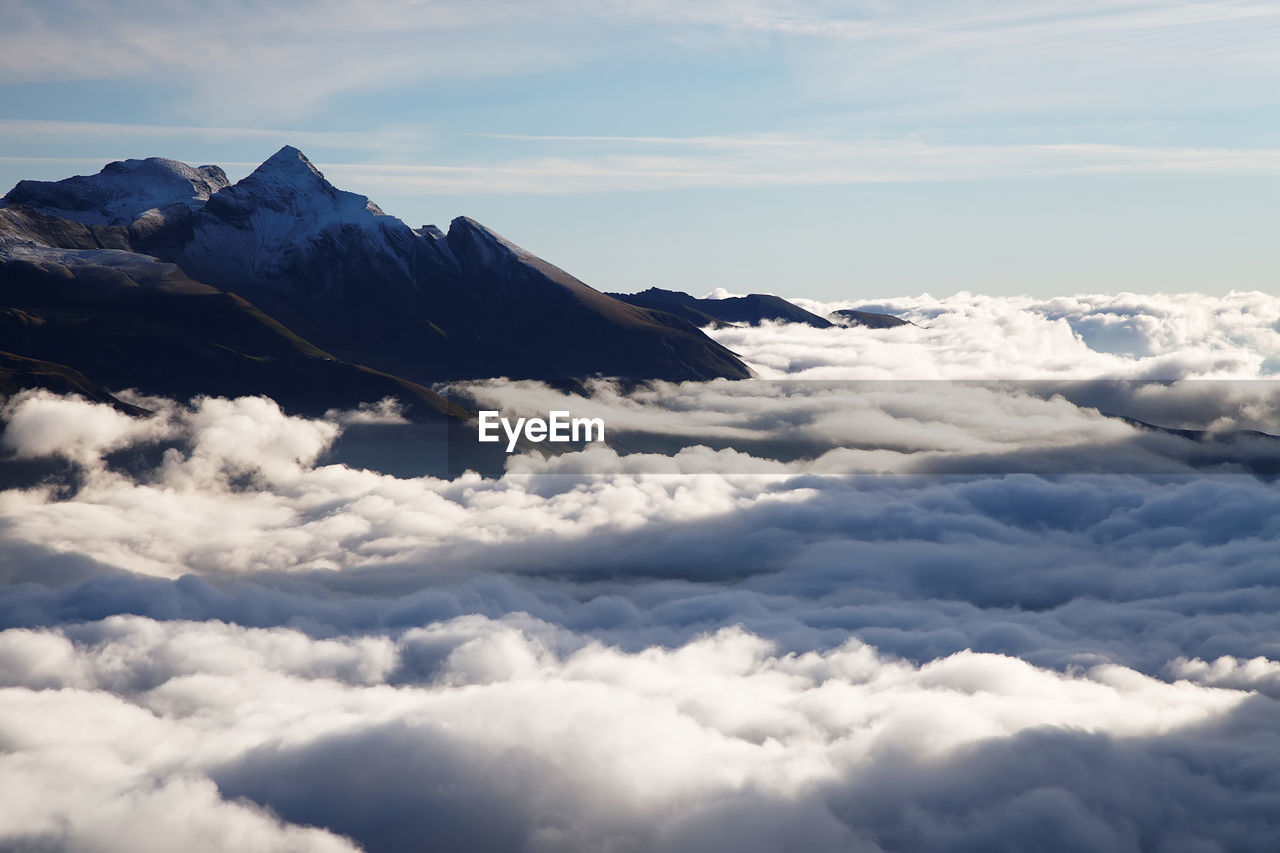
x,y
142,268
265,220
122,192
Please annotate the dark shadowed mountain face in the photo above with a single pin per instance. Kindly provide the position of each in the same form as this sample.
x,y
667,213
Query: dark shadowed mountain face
x,y
752,310
128,320
18,372
330,266
867,319
564,323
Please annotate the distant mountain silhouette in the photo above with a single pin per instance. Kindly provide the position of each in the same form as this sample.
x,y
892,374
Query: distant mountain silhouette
x,y
751,310
18,372
869,319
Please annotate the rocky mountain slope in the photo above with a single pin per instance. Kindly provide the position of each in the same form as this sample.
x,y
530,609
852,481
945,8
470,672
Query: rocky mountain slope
x,y
166,277
118,319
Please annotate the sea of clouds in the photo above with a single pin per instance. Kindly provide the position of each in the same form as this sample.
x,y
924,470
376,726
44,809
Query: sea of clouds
x,y
912,589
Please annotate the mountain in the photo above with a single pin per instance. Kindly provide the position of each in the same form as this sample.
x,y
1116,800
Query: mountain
x,y
128,320
18,372
168,278
123,192
868,319
561,322
418,303
752,310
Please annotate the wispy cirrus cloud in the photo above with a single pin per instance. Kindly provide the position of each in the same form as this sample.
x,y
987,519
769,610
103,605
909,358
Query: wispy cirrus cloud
x,y
293,58
539,164
28,131
647,163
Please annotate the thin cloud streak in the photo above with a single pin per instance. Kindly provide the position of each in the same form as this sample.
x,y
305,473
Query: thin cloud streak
x,y
626,164
754,162
622,163
89,142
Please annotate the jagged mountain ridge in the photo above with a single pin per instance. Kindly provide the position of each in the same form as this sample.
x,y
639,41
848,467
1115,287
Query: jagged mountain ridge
x,y
418,303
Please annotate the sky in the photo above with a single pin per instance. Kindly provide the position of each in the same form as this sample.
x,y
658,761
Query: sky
x,y
872,600
857,150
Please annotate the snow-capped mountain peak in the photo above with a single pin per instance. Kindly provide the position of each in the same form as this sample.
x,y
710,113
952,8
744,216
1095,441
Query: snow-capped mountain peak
x,y
288,181
289,170
267,226
122,192
290,159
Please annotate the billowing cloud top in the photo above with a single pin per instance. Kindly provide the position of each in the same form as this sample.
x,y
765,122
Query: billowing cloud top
x,y
741,636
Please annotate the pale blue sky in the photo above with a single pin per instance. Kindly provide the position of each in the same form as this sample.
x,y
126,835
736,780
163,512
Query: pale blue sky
x,y
834,150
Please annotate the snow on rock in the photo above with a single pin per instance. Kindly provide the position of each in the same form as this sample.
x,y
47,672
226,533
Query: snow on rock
x,y
122,192
136,269
264,221
288,182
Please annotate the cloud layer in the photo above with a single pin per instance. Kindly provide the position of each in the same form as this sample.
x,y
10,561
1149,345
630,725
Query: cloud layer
x,y
972,336
511,734
735,632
